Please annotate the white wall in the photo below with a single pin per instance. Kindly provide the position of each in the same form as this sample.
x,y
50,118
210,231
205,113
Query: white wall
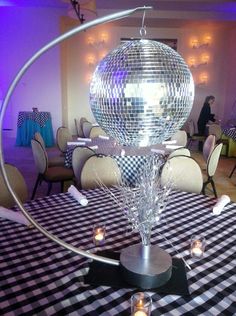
x,y
218,68
22,32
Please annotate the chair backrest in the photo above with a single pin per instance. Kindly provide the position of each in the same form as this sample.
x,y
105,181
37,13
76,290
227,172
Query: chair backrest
x,y
181,138
96,131
99,170
86,127
213,160
183,173
215,129
180,152
17,183
191,129
63,136
208,146
78,128
82,120
79,157
39,138
40,156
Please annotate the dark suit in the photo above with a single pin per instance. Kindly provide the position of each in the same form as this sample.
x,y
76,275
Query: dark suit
x,y
204,117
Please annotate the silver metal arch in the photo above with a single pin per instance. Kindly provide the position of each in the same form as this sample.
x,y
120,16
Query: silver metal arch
x,y
10,91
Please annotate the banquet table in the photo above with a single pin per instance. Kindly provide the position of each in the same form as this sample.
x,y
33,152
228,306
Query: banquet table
x,y
229,133
39,277
29,123
130,160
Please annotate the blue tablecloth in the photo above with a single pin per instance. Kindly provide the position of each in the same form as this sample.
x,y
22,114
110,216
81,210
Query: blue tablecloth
x,y
31,122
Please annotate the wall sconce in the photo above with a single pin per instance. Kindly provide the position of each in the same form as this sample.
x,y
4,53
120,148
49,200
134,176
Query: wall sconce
x,y
195,43
205,59
103,38
203,79
207,40
90,40
91,60
192,62
205,43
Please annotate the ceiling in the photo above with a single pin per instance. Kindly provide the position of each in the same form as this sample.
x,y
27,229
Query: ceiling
x,y
165,13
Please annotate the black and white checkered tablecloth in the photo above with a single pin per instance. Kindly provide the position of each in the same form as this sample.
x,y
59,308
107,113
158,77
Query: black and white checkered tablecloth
x,y
130,165
38,277
39,117
230,132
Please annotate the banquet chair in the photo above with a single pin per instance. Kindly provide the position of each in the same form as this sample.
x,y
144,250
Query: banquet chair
x,y
48,174
212,163
86,127
100,171
208,146
180,137
62,137
17,183
183,173
52,161
96,131
78,128
193,136
180,152
79,157
215,129
231,173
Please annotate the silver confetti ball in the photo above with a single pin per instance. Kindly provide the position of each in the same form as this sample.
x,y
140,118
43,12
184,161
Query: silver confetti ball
x,y
141,93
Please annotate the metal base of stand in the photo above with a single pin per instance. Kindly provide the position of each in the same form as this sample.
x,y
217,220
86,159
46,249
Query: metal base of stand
x,y
146,267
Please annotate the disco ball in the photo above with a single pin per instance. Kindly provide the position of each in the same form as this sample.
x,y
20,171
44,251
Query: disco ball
x,y
141,93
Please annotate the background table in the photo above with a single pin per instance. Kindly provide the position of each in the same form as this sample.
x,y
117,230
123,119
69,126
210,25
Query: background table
x,y
130,160
38,277
31,122
230,134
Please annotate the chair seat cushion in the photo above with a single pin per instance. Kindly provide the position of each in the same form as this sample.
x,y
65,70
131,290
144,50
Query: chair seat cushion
x,y
54,174
56,161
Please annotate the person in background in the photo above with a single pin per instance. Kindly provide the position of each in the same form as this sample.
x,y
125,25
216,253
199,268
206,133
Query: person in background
x,y
205,115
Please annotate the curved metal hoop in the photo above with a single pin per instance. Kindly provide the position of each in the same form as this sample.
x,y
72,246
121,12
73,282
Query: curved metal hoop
x,y
10,91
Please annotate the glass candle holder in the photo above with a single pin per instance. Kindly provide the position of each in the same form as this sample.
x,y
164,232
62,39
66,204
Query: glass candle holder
x,y
197,247
99,234
141,304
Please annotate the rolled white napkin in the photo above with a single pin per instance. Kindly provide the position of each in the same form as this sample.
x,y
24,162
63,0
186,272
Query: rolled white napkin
x,y
170,142
103,137
84,139
158,151
173,146
76,143
93,147
220,204
17,217
122,153
77,195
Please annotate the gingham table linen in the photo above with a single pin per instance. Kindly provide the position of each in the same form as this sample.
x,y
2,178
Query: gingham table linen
x,y
39,277
130,164
230,132
39,117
